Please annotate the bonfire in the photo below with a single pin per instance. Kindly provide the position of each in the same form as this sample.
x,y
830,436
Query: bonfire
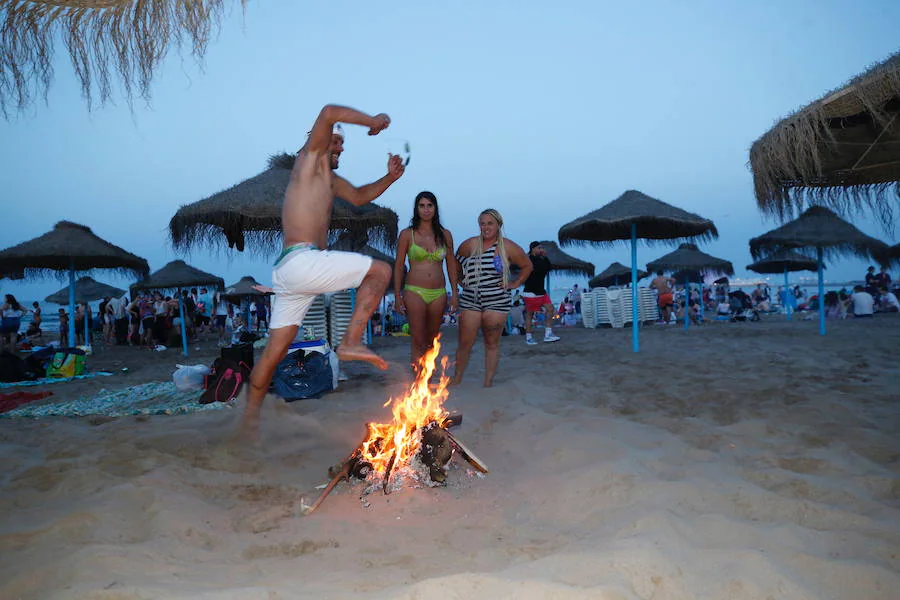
x,y
416,440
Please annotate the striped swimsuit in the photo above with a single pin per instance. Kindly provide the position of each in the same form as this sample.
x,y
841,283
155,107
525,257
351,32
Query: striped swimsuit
x,y
484,291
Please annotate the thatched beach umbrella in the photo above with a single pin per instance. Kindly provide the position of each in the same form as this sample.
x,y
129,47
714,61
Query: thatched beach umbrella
x,y
842,151
250,212
245,287
348,242
86,290
73,248
631,216
691,262
177,275
129,37
785,261
560,261
613,274
818,227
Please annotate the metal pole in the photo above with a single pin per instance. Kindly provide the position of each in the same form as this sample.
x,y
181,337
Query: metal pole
x,y
71,303
821,292
687,301
87,326
634,290
184,349
788,309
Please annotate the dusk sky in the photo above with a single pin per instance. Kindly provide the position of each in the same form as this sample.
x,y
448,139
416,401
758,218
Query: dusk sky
x,y
544,113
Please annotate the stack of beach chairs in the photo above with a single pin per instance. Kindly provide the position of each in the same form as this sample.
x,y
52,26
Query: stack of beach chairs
x,y
603,306
340,310
316,320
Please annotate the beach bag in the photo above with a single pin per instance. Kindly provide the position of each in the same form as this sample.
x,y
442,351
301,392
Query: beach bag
x,y
12,368
224,383
66,364
239,353
303,375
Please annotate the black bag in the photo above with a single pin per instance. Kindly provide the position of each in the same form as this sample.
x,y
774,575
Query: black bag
x,y
224,382
303,375
12,368
239,353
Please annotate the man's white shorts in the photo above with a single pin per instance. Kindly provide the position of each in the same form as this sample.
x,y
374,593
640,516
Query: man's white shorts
x,y
305,273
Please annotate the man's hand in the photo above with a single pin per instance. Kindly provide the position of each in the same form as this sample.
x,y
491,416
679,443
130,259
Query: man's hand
x,y
395,167
399,305
454,303
380,122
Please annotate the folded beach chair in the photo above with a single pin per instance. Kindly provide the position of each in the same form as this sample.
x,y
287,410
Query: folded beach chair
x,y
316,320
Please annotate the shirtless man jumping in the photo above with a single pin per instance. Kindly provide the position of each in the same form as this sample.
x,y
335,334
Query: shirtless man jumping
x,y
665,298
304,270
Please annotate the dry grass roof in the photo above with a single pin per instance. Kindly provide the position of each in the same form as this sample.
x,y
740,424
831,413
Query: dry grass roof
x,y
249,214
820,227
560,261
784,260
613,274
86,290
178,274
104,38
841,151
655,220
689,258
69,245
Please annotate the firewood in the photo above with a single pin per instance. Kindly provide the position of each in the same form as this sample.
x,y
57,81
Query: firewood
x,y
436,451
467,454
387,474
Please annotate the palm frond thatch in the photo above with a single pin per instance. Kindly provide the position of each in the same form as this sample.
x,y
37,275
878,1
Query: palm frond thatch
x,y
560,261
655,220
615,274
242,288
348,242
841,151
69,245
689,258
784,260
130,37
86,290
249,213
820,227
178,274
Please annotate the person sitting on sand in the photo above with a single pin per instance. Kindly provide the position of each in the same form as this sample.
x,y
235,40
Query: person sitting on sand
x,y
862,301
889,301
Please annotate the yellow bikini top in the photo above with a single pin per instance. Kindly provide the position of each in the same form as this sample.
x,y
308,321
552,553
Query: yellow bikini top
x,y
418,253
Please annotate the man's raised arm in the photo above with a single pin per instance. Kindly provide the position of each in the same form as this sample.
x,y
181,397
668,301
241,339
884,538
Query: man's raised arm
x,y
320,136
359,196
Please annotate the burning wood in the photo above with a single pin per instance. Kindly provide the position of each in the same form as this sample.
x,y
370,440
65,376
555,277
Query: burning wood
x,y
420,428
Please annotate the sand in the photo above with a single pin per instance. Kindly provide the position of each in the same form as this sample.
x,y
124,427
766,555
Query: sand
x,y
732,461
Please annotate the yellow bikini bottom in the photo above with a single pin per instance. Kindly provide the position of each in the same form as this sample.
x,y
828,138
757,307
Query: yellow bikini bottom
x,y
429,295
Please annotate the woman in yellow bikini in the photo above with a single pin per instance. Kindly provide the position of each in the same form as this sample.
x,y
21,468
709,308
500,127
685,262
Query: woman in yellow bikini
x,y
423,296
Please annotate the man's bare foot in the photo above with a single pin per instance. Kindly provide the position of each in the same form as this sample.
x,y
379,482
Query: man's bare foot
x,y
345,352
454,381
488,383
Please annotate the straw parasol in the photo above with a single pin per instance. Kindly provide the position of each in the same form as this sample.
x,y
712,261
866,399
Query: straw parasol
x,y
73,248
785,261
842,150
691,265
631,216
177,275
689,258
613,274
129,37
347,242
244,287
251,212
87,289
818,227
560,261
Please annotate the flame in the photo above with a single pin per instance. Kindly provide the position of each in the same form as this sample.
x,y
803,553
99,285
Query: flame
x,y
399,440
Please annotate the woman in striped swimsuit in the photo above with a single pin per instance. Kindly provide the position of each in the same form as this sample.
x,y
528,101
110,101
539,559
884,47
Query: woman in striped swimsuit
x,y
485,299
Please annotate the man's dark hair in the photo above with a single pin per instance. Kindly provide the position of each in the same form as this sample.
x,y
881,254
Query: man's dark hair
x,y
533,245
659,272
435,222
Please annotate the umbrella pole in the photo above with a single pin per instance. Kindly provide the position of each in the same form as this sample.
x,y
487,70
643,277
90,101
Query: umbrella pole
x,y
787,290
821,292
87,325
687,300
71,340
634,290
184,349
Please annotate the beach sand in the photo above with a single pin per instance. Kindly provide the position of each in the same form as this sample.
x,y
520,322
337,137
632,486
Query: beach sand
x,y
733,461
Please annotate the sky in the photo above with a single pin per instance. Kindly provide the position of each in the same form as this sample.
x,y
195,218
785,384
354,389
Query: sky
x,y
543,112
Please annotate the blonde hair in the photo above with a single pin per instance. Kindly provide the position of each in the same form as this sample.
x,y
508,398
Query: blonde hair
x,y
501,248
